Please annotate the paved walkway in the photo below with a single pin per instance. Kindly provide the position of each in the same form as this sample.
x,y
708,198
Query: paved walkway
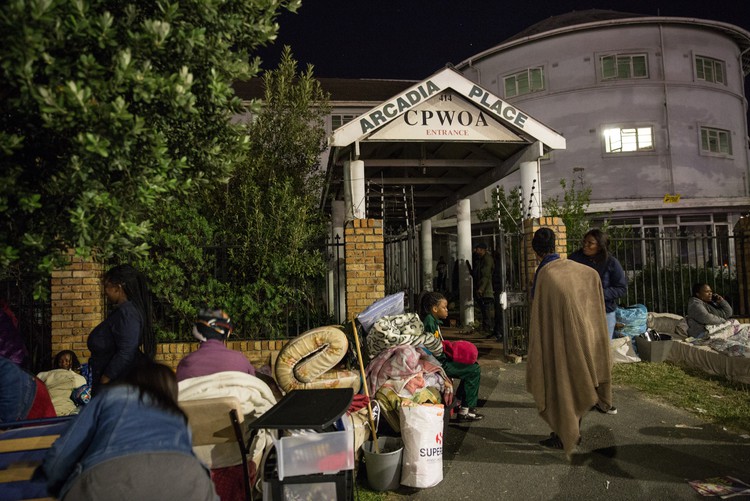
x,y
647,451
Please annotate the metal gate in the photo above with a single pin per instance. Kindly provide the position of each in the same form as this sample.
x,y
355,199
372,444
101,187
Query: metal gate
x,y
511,256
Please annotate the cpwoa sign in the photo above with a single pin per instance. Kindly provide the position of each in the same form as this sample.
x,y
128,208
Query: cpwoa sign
x,y
379,122
446,116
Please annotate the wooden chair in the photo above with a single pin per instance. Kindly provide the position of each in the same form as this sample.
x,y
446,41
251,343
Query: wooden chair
x,y
218,421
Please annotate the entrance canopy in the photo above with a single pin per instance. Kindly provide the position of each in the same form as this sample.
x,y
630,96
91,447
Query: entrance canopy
x,y
437,142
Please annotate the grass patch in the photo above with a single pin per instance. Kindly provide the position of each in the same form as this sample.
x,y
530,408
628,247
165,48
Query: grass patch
x,y
712,398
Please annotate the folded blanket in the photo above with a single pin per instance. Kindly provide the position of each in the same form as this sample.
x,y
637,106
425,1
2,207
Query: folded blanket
x,y
255,398
397,362
60,383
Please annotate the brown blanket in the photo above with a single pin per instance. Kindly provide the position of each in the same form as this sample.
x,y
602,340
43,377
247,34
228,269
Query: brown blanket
x,y
569,365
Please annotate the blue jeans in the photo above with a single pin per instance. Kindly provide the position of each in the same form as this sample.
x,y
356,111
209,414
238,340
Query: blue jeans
x,y
611,321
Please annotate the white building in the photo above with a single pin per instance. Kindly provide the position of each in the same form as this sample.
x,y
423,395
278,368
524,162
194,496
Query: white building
x,y
653,110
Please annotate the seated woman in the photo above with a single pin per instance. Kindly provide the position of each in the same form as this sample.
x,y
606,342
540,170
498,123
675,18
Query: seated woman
x,y
706,308
62,381
212,329
134,436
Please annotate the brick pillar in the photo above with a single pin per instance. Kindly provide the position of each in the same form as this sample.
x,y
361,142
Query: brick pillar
x,y
742,255
77,305
561,242
365,264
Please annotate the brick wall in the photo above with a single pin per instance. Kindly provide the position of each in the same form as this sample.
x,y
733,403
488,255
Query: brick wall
x,y
77,305
259,353
365,264
530,226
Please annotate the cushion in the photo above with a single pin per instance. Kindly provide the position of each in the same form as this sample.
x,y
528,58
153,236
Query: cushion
x,y
462,352
305,361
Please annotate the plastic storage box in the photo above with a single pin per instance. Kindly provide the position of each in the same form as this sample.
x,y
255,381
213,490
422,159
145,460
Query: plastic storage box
x,y
336,486
315,453
654,351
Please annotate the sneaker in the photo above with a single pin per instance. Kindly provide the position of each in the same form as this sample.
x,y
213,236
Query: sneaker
x,y
612,410
468,415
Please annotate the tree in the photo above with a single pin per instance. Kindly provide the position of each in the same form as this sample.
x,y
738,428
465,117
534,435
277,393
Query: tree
x,y
271,207
110,109
252,245
571,209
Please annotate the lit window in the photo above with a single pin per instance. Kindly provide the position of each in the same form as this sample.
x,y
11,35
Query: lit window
x,y
524,82
624,66
628,139
716,141
339,120
709,70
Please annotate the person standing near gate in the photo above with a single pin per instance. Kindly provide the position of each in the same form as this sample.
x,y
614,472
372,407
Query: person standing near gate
x,y
484,293
569,367
595,254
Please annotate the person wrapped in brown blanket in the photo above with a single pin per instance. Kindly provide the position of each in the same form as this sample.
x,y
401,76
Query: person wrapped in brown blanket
x,y
569,366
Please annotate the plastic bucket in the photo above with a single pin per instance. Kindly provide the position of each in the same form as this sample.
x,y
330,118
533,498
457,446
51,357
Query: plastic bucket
x,y
384,468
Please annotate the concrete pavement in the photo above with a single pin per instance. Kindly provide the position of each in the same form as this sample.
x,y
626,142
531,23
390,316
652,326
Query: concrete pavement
x,y
649,450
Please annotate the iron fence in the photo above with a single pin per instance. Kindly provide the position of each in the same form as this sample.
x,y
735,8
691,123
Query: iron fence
x,y
34,318
662,269
323,302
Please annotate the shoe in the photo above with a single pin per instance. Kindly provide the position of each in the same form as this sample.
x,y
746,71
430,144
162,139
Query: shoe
x,y
553,442
468,416
611,411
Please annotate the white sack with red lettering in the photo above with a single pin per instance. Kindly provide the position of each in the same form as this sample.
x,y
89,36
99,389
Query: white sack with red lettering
x,y
422,433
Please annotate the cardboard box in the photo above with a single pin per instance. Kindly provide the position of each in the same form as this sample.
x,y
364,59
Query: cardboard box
x,y
653,351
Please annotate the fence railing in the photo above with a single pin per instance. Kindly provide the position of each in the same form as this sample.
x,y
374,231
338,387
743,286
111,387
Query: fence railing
x,y
34,322
662,270
319,302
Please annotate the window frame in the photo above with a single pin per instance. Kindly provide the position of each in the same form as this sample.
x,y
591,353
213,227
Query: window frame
x,y
639,150
528,73
714,62
719,132
344,117
624,55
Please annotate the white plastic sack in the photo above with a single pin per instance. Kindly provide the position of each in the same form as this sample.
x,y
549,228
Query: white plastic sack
x,y
422,433
622,350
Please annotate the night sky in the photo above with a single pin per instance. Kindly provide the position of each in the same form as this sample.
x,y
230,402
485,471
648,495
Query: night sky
x,y
412,39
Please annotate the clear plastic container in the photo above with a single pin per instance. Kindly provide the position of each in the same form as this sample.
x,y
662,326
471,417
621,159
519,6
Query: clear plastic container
x,y
315,453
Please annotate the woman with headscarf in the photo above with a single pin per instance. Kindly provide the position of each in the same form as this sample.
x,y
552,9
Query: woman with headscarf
x,y
212,329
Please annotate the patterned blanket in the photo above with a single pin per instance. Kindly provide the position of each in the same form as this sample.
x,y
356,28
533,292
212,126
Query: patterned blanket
x,y
398,330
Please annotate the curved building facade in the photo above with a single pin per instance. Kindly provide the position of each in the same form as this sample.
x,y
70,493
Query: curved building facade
x,y
653,110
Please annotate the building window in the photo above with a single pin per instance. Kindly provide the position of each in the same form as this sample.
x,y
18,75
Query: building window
x,y
628,139
716,141
524,82
339,120
709,70
623,66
